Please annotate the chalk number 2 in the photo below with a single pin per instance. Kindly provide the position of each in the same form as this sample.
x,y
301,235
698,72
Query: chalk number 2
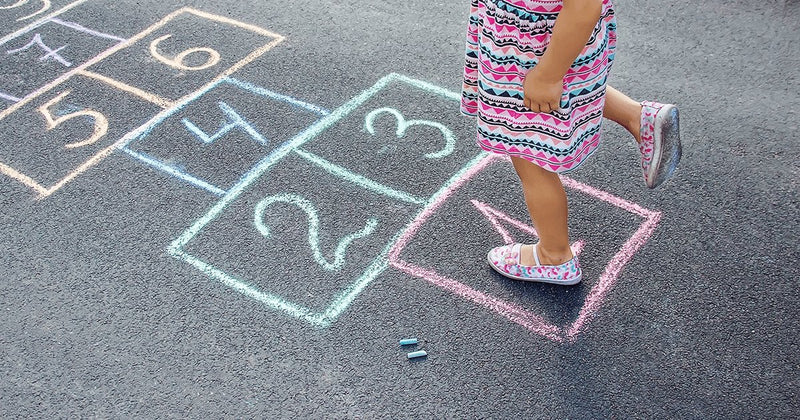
x,y
313,228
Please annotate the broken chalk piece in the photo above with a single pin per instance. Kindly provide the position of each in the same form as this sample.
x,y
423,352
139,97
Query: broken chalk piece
x,y
408,341
421,353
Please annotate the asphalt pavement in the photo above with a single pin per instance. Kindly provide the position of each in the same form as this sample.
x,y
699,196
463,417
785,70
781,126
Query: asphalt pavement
x,y
238,209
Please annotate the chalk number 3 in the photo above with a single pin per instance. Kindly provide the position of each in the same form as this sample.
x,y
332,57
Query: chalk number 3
x,y
403,125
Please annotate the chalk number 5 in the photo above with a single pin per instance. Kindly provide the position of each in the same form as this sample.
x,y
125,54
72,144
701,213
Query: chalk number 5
x,y
100,121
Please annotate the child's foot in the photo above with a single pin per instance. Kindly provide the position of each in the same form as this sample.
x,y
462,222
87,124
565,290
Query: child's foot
x,y
660,142
506,261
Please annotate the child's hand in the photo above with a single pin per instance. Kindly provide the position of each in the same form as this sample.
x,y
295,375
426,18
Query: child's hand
x,y
541,93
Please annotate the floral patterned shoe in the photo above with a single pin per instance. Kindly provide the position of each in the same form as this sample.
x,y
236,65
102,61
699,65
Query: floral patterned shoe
x,y
505,260
661,142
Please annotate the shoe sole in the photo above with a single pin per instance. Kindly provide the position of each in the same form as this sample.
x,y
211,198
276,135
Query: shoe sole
x,y
666,145
570,282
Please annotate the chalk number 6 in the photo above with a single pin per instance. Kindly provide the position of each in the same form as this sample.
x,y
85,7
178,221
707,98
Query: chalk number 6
x,y
100,121
178,61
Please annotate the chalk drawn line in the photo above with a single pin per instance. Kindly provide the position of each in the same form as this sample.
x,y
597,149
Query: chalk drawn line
x,y
150,97
174,171
345,297
44,192
8,97
513,312
41,21
145,130
495,217
81,28
359,180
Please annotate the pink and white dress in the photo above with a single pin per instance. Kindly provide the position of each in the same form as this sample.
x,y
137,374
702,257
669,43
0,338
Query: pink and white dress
x,y
505,40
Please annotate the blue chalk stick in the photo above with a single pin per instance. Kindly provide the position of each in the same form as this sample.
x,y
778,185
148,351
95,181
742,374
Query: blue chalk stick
x,y
421,353
408,341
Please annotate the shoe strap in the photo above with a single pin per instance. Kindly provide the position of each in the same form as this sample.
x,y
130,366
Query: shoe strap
x,y
517,250
651,104
536,254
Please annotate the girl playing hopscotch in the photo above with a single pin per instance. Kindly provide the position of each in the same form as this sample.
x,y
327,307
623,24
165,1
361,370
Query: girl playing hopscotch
x,y
535,78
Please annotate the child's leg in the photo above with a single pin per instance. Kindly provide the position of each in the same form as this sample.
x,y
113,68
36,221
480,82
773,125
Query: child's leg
x,y
659,144
624,111
547,204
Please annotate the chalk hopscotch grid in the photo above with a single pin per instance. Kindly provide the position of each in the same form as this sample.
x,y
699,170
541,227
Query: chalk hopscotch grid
x,y
43,191
345,297
389,254
190,178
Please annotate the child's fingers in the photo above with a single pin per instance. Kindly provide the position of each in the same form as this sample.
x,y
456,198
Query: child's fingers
x,y
541,106
530,104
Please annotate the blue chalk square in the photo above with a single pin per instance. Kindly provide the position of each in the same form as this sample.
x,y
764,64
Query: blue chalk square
x,y
220,134
291,177
302,236
408,136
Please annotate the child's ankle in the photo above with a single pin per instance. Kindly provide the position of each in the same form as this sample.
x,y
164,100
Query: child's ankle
x,y
553,257
635,126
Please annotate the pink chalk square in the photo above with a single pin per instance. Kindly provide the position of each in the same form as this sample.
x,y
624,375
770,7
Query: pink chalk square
x,y
515,312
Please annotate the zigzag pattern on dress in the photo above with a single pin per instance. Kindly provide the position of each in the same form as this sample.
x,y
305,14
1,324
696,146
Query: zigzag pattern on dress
x,y
505,40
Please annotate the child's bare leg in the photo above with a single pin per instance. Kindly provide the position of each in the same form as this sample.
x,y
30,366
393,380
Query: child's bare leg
x,y
547,204
624,111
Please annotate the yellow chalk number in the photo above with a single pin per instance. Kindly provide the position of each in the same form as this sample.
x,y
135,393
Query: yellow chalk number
x,y
100,121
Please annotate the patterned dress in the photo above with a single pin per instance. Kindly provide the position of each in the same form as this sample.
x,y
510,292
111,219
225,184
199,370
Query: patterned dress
x,y
505,40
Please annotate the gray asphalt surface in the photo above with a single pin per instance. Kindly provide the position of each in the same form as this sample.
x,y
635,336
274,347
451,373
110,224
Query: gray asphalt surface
x,y
188,288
